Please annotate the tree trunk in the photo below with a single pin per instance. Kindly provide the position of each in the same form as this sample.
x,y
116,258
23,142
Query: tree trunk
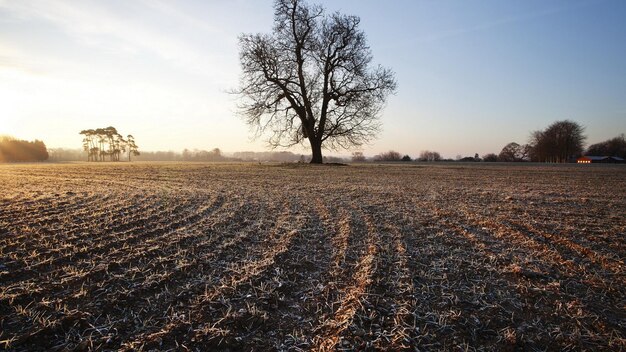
x,y
316,150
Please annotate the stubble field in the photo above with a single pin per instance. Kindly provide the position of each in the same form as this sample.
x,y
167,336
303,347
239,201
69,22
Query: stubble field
x,y
148,256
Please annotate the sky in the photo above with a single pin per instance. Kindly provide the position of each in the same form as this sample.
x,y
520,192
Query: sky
x,y
472,75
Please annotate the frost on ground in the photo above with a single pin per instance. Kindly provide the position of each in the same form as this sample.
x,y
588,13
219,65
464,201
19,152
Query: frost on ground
x,y
298,257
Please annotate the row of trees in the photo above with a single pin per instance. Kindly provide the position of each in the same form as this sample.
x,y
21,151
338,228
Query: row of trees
x,y
393,155
427,155
612,147
562,141
101,143
203,155
14,150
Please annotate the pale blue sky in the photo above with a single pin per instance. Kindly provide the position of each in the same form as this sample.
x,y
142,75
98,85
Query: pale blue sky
x,y
472,75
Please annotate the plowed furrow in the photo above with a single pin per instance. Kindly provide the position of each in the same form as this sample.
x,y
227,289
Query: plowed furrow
x,y
350,296
383,320
52,283
16,214
569,248
59,239
539,270
193,247
84,245
236,274
116,293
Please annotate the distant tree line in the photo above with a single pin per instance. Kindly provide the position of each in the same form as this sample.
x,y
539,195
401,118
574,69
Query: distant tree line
x,y
391,155
427,155
61,154
203,155
271,156
612,147
14,150
561,142
65,154
101,143
514,152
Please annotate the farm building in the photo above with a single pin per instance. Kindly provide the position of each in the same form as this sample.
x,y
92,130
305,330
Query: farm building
x,y
588,159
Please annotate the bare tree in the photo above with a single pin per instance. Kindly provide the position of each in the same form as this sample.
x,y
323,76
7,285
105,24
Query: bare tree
x,y
512,152
391,155
310,80
561,142
427,155
358,157
132,146
102,142
490,157
611,147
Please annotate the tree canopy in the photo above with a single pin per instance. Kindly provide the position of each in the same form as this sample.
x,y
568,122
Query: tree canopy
x,y
310,79
611,147
14,150
101,143
560,142
514,152
427,155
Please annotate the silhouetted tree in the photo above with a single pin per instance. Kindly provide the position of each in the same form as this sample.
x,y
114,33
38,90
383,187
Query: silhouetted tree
x,y
132,146
13,150
388,156
203,155
611,147
310,80
512,152
358,157
427,155
561,142
91,144
490,157
102,142
406,158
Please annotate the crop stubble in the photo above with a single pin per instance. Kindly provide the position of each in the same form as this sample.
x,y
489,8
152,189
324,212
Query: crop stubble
x,y
299,257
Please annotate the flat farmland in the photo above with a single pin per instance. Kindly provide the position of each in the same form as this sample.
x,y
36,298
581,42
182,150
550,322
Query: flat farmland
x,y
242,257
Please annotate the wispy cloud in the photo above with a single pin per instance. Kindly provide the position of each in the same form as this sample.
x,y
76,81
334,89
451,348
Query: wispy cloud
x,y
166,8
14,60
500,22
105,27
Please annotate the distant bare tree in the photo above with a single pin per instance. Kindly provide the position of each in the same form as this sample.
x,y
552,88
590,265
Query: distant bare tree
x,y
561,142
513,152
310,80
132,146
102,142
612,147
391,155
427,155
490,157
358,157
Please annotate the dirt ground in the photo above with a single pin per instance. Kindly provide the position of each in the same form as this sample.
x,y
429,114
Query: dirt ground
x,y
251,257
